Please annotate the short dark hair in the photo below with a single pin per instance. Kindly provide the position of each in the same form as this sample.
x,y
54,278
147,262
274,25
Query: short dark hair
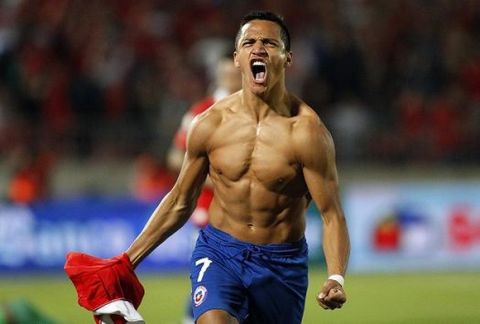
x,y
270,16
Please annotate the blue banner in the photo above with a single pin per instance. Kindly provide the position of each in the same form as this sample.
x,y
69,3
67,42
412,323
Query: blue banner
x,y
37,237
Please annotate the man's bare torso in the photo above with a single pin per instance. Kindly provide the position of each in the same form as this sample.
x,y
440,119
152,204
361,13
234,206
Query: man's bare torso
x,y
262,148
260,192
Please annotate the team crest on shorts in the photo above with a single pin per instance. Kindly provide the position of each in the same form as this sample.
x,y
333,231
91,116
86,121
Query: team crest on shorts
x,y
199,295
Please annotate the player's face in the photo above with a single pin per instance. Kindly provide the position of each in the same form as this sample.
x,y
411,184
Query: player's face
x,y
261,55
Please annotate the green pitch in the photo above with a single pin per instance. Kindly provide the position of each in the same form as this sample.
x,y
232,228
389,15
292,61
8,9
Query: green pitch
x,y
386,298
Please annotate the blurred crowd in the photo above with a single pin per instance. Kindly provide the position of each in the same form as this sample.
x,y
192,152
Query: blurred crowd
x,y
395,81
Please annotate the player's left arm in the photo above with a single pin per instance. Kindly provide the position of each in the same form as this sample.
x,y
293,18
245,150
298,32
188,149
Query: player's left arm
x,y
316,151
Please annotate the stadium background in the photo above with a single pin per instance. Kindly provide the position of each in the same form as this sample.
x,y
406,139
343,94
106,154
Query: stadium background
x,y
91,93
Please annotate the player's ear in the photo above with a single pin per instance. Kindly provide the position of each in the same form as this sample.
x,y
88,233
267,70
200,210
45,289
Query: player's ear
x,y
235,59
289,58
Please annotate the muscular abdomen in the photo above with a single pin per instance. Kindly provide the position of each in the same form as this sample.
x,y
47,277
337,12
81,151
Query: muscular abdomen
x,y
259,195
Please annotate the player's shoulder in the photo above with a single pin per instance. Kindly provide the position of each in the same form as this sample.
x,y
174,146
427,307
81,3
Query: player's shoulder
x,y
227,103
306,117
209,110
205,124
220,108
209,119
308,127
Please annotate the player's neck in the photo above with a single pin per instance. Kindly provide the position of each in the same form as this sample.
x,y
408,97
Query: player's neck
x,y
275,100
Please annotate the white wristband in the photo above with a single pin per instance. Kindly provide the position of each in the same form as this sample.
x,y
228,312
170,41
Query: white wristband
x,y
338,278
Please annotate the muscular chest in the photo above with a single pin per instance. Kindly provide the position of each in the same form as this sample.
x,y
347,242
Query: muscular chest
x,y
260,152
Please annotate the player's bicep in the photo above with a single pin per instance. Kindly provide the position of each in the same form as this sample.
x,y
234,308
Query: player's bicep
x,y
319,169
195,164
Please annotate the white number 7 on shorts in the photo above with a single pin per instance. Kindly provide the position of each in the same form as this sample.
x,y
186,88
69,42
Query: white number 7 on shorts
x,y
205,262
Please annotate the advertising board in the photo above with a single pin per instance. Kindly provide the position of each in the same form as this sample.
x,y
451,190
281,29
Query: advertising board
x,y
37,237
413,226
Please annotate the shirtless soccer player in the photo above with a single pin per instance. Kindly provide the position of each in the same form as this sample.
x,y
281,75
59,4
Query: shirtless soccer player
x,y
266,153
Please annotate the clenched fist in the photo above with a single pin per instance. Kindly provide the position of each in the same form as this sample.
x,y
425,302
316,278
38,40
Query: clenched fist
x,y
332,295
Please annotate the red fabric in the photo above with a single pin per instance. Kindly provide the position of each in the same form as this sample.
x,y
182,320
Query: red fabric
x,y
205,198
199,216
100,281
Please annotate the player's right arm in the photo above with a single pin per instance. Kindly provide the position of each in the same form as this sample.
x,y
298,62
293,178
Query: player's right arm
x,y
176,207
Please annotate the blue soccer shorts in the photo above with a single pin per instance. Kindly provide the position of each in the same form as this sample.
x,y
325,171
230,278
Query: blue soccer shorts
x,y
254,283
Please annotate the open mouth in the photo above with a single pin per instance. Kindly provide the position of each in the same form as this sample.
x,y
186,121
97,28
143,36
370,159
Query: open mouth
x,y
259,71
